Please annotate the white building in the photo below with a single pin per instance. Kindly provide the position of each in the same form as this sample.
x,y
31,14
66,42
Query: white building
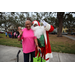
x,y
2,29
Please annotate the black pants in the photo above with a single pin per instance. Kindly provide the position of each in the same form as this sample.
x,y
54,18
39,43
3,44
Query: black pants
x,y
6,35
26,56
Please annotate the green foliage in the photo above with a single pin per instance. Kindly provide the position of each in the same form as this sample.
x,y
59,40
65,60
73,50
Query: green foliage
x,y
19,18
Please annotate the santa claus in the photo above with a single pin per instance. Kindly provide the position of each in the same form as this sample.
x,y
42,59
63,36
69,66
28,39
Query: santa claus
x,y
43,30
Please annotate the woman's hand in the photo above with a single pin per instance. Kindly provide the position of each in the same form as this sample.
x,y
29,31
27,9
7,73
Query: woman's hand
x,y
20,31
36,42
38,48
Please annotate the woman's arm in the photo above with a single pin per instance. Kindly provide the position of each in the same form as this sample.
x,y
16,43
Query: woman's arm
x,y
19,38
20,32
36,42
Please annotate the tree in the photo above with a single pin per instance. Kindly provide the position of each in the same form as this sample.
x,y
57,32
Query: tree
x,y
19,18
60,21
60,17
69,22
12,19
66,19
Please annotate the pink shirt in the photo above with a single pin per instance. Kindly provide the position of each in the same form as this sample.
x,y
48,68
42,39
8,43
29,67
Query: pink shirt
x,y
14,33
28,43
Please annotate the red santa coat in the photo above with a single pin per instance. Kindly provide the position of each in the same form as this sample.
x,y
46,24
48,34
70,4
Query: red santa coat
x,y
46,52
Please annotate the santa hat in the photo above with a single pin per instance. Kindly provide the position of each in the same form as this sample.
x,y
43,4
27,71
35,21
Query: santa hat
x,y
35,22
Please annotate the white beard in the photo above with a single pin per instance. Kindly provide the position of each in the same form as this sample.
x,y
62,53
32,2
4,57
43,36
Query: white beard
x,y
38,31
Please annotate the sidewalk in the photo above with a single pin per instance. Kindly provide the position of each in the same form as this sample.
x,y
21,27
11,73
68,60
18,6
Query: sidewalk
x,y
69,37
8,54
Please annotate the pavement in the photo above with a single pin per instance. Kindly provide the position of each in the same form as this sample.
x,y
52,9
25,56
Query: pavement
x,y
8,54
70,37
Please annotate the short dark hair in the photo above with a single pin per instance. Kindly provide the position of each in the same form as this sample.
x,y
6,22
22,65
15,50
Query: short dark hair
x,y
28,18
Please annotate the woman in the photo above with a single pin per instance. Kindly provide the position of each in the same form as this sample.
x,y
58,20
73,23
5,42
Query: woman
x,y
28,42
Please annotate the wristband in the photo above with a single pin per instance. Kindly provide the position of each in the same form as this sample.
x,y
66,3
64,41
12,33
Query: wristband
x,y
37,46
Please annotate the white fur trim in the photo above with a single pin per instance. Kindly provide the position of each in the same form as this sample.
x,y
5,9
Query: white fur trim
x,y
35,22
48,27
48,55
45,36
47,60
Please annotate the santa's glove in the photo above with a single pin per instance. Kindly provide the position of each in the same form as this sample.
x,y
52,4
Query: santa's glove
x,y
44,23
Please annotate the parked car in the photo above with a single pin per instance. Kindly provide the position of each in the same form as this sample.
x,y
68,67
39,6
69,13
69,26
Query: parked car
x,y
1,32
53,32
64,33
72,33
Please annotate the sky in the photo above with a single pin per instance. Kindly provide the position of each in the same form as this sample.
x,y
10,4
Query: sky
x,y
29,13
54,14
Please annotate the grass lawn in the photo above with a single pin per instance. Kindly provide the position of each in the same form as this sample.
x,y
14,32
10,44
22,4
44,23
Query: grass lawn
x,y
62,44
9,41
58,44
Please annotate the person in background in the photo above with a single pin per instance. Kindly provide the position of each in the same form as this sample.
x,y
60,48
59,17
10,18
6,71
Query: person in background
x,y
17,33
14,34
11,34
6,34
29,42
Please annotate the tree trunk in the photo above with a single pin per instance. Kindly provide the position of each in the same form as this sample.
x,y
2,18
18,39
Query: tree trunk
x,y
60,28
60,20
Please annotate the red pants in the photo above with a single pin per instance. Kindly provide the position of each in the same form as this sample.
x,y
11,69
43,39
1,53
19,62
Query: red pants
x,y
42,51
